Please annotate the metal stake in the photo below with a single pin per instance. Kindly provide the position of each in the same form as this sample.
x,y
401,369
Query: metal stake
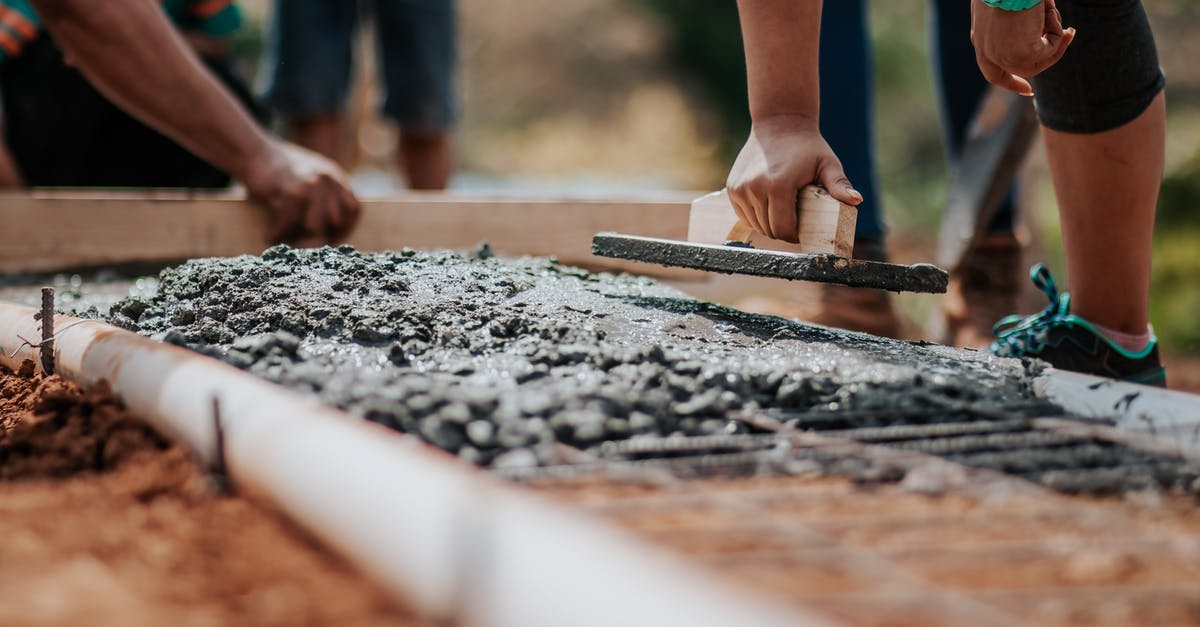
x,y
220,471
47,343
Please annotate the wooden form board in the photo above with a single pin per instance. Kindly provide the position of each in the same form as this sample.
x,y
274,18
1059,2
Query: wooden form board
x,y
48,231
826,225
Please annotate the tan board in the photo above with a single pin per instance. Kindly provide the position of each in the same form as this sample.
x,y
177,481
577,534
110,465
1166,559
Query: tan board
x,y
47,231
826,225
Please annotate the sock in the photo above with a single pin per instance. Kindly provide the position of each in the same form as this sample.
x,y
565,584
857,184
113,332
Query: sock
x,y
1132,342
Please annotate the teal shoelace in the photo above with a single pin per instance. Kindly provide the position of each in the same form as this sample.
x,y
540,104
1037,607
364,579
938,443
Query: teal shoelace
x,y
1020,336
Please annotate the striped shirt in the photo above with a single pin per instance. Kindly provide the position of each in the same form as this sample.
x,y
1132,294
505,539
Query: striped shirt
x,y
20,24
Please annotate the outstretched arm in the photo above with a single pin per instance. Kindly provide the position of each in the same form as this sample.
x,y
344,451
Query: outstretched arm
x,y
129,51
785,150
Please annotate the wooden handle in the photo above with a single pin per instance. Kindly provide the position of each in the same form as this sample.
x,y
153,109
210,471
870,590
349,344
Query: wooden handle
x,y
826,226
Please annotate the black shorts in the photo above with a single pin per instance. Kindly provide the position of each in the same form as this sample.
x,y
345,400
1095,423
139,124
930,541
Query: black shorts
x,y
63,133
1108,76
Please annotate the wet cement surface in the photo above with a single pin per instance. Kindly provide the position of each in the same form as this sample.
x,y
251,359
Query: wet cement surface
x,y
503,360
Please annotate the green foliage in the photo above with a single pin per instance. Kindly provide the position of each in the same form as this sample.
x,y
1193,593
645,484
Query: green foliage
x,y
911,161
1179,198
1175,290
706,43
1175,283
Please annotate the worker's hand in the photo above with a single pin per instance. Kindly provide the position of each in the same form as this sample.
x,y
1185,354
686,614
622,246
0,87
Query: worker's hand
x,y
1013,46
307,194
783,154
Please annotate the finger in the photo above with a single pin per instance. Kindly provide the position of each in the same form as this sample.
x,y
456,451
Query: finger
x,y
750,208
740,203
757,212
1061,42
314,212
288,225
1053,23
781,214
345,214
997,76
832,176
282,219
331,215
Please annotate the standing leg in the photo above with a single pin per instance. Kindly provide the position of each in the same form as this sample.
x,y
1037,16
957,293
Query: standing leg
x,y
1107,189
419,56
308,63
1104,118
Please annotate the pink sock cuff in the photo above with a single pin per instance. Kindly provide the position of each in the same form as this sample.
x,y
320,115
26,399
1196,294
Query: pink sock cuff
x,y
1132,342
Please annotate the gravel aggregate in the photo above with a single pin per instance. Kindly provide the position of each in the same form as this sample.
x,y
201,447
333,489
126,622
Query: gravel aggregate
x,y
501,361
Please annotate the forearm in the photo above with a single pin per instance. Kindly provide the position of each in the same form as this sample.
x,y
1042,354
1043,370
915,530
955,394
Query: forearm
x,y
782,41
130,51
10,174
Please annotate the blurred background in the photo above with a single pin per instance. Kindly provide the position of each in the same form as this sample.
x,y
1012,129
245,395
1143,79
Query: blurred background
x,y
596,97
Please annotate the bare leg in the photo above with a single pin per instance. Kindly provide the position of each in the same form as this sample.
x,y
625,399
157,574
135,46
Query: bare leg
x,y
1107,188
425,160
319,133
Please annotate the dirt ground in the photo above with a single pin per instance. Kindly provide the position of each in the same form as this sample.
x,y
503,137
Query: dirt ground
x,y
882,554
107,523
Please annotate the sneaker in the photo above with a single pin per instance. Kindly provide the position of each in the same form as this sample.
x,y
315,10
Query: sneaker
x,y
984,288
1069,342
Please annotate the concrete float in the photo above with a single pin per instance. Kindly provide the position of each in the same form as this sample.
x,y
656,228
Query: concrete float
x,y
453,542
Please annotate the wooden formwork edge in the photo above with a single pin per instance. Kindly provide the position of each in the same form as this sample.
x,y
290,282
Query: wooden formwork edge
x,y
457,544
51,231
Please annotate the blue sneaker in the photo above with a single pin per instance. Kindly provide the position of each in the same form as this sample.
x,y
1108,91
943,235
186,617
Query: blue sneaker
x,y
1069,342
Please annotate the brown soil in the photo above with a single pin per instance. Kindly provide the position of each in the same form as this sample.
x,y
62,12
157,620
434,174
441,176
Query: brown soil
x,y
881,555
105,522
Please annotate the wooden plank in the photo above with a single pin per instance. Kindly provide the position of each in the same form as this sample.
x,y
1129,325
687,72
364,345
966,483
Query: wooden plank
x,y
47,231
826,225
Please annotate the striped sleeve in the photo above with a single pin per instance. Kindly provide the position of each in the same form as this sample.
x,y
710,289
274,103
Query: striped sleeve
x,y
19,26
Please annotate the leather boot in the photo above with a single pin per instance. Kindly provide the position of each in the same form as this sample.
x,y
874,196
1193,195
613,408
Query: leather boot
x,y
850,308
984,289
856,308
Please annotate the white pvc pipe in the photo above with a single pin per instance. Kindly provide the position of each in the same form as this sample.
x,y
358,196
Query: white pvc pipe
x,y
448,539
1169,415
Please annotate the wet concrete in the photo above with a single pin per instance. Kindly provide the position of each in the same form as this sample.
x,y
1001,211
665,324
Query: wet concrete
x,y
739,259
502,361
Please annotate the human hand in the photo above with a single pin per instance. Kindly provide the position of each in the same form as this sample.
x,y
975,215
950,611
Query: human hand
x,y
306,194
783,154
1013,46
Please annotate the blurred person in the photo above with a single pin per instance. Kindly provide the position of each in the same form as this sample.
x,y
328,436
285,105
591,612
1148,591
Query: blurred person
x,y
62,132
1101,107
309,60
988,284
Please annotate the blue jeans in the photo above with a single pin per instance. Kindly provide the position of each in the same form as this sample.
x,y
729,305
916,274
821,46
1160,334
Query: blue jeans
x,y
848,101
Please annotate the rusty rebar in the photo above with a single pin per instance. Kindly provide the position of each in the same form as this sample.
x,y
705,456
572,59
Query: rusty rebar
x,y
47,318
220,479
